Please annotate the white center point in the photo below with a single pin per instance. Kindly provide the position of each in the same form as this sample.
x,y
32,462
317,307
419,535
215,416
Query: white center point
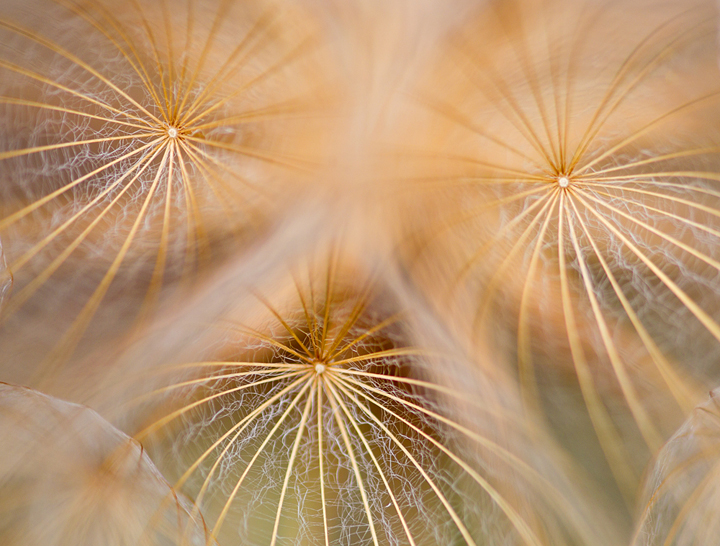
x,y
319,368
563,181
172,132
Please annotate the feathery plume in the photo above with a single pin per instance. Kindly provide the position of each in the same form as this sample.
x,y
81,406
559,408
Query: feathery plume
x,y
321,415
568,168
138,143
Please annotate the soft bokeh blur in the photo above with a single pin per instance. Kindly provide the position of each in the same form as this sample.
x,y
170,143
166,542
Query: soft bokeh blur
x,y
350,272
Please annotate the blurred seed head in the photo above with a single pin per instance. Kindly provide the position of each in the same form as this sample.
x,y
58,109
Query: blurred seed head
x,y
682,490
69,477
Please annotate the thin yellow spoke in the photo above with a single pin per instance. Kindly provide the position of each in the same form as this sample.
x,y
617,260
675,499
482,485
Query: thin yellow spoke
x,y
183,89
444,181
358,308
74,59
227,364
296,164
576,47
77,329
218,20
499,273
291,57
681,392
233,494
638,78
285,325
50,147
473,213
171,56
496,448
220,16
690,250
333,398
533,79
526,371
266,367
236,430
475,161
259,114
638,178
209,379
458,117
518,522
675,217
654,159
47,81
291,461
408,381
215,183
159,271
321,459
438,493
502,231
313,306
652,437
32,287
138,66
177,413
692,204
380,326
254,333
523,56
523,126
22,260
309,315
644,130
156,53
198,154
610,441
554,55
353,422
705,319
406,351
195,226
329,286
592,128
43,106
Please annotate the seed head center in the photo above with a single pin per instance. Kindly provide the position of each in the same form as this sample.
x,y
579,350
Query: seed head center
x,y
172,132
563,181
319,368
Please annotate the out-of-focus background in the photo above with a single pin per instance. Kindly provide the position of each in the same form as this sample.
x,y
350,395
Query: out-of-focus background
x,y
359,272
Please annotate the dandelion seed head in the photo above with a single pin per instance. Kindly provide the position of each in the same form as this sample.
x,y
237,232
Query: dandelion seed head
x,y
326,417
126,143
576,218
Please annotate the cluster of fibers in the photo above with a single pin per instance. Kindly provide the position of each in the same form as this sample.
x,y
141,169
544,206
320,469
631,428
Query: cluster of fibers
x,y
568,166
320,416
139,147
